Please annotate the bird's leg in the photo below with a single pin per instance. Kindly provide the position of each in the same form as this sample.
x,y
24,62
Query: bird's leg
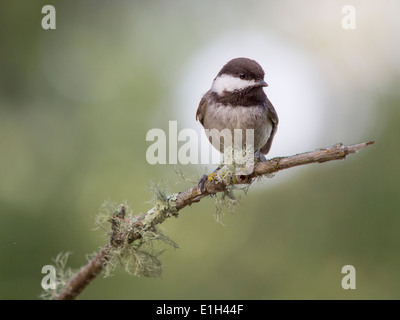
x,y
259,156
206,177
202,182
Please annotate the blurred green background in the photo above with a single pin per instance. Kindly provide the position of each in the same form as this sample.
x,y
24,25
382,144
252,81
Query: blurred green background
x,y
76,104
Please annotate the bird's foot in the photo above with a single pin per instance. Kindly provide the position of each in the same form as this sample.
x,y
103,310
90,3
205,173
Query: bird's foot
x,y
209,177
202,181
259,156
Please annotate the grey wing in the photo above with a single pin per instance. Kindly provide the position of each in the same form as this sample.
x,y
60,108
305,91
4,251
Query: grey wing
x,y
273,117
201,110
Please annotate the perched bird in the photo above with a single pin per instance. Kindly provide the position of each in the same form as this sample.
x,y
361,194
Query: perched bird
x,y
236,100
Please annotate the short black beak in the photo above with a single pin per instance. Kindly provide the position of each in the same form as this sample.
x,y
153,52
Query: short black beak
x,y
262,83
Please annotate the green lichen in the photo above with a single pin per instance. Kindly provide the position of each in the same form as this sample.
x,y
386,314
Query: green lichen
x,y
136,240
62,276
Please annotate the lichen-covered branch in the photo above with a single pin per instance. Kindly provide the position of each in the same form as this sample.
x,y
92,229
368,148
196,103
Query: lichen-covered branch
x,y
128,230
82,279
336,152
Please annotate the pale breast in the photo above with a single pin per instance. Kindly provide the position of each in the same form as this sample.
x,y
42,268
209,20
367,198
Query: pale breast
x,y
221,117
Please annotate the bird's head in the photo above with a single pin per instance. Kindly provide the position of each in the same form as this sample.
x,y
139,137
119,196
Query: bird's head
x,y
238,75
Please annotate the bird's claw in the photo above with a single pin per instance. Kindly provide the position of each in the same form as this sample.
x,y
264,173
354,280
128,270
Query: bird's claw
x,y
201,185
259,156
202,182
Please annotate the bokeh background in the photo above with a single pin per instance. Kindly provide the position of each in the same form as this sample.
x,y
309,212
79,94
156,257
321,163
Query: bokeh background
x,y
77,102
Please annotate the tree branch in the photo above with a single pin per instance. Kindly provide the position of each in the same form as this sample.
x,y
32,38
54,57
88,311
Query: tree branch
x,y
175,203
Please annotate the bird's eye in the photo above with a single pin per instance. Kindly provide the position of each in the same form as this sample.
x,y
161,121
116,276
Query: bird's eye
x,y
242,76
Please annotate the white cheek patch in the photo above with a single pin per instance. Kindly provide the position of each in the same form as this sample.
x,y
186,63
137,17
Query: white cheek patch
x,y
229,83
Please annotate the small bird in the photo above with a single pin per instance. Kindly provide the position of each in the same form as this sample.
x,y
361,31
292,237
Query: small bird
x,y
236,100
